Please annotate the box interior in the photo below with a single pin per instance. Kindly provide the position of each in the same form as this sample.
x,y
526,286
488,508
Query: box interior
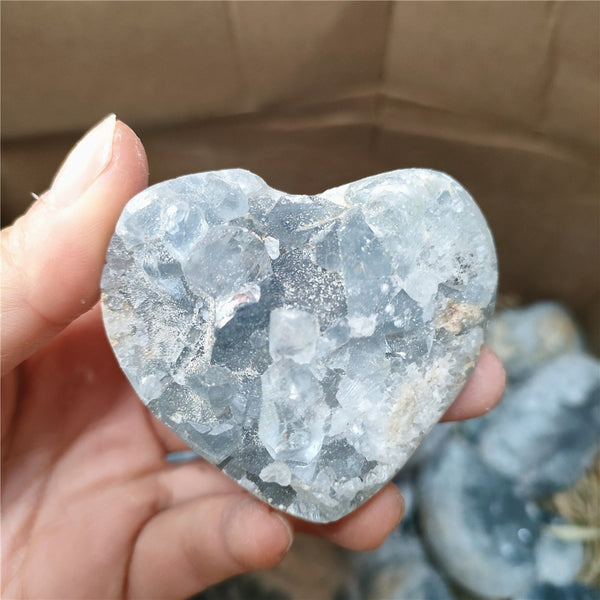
x,y
502,96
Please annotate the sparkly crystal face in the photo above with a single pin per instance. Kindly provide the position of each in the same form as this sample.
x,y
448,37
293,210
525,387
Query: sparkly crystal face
x,y
303,344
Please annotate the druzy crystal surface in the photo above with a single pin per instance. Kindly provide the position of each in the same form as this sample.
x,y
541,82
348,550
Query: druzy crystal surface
x,y
304,344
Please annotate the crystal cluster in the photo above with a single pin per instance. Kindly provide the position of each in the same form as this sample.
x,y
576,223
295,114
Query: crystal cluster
x,y
303,344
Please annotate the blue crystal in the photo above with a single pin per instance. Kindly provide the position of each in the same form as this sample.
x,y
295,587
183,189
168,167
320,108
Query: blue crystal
x,y
545,432
526,338
305,344
477,529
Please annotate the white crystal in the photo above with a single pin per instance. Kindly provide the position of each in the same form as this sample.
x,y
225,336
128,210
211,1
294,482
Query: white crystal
x,y
225,307
272,247
293,412
152,386
293,334
277,472
226,260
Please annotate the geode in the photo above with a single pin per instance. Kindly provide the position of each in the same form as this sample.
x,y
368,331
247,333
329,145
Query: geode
x,y
303,344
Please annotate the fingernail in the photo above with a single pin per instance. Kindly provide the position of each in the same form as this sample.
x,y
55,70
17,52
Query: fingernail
x,y
401,507
86,161
288,528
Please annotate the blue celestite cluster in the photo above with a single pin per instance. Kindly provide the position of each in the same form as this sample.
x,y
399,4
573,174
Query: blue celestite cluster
x,y
303,344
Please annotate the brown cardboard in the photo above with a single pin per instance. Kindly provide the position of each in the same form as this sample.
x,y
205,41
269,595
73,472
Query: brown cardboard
x,y
503,96
66,63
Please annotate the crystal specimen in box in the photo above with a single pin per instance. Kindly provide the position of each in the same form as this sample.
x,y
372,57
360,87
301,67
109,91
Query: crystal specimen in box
x,y
304,344
526,338
545,433
477,529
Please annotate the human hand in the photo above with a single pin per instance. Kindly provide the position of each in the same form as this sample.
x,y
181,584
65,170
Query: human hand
x,y
91,508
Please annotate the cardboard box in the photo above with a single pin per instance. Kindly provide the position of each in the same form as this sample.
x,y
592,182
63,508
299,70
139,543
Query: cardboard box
x,y
503,96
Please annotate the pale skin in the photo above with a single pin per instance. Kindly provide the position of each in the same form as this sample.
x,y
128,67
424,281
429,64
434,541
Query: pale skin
x,y
90,507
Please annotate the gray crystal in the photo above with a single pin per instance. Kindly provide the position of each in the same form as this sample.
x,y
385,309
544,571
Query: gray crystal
x,y
225,262
477,529
304,344
545,433
293,334
526,338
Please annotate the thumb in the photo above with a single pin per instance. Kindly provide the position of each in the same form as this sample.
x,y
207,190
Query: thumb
x,y
52,257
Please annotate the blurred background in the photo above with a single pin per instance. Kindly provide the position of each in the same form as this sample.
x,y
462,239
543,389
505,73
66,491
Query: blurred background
x,y
505,97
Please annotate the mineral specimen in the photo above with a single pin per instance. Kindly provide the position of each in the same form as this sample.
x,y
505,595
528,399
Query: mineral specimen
x,y
477,529
545,433
526,338
303,344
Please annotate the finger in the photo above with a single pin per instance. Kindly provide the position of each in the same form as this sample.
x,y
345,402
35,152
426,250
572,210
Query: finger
x,y
52,257
192,546
195,479
367,527
482,391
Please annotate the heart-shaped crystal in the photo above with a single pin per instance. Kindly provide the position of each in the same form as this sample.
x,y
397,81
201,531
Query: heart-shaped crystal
x,y
304,344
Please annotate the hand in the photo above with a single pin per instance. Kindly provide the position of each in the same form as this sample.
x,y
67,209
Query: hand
x,y
91,509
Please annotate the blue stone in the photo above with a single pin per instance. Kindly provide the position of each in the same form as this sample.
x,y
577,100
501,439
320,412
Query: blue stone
x,y
544,434
304,344
476,528
526,338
